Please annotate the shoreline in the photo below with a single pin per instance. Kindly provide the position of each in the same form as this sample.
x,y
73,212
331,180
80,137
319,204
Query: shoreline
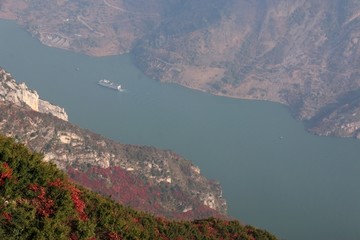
x,y
106,52
7,16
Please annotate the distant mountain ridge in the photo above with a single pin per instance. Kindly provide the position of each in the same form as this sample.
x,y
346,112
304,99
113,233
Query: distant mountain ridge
x,y
302,53
149,179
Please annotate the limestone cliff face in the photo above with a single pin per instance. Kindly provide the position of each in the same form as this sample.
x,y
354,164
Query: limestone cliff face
x,y
20,95
46,107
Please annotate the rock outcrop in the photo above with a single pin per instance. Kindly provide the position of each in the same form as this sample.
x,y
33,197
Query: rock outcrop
x,y
20,95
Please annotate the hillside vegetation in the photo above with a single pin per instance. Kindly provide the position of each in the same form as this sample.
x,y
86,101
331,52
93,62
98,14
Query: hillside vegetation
x,y
37,201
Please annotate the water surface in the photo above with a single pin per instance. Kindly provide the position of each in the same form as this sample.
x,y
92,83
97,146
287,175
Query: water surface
x,y
274,174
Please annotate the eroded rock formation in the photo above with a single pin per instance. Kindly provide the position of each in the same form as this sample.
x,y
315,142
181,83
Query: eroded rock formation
x,y
20,95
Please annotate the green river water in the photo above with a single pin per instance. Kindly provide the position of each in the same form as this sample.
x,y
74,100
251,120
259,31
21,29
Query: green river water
x,y
274,174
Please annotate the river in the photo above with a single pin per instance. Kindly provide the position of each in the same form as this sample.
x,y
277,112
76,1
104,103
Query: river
x,y
274,174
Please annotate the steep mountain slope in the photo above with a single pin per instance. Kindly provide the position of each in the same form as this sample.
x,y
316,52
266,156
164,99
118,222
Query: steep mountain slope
x,y
149,179
95,27
302,53
37,201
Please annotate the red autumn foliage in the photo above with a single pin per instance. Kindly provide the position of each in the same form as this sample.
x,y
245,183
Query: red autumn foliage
x,y
7,216
114,236
78,203
44,205
57,183
120,185
128,189
73,236
75,197
6,173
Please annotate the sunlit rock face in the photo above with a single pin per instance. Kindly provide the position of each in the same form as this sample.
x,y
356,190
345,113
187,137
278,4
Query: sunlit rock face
x,y
20,95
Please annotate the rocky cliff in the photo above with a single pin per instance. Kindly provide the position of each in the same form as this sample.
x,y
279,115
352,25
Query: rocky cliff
x,y
20,95
146,178
302,53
